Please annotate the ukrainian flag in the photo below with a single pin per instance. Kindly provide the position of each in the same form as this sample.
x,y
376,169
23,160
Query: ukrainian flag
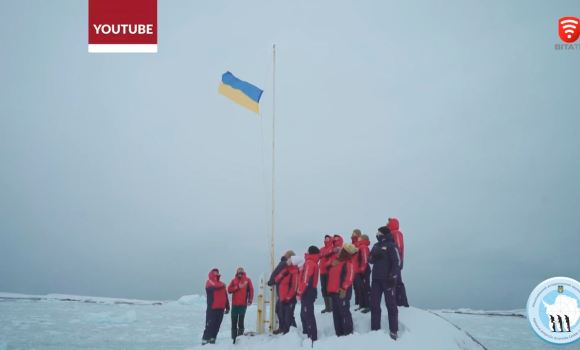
x,y
241,92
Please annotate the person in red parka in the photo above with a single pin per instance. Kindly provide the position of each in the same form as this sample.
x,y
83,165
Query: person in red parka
x,y
337,243
307,292
288,280
325,252
217,302
242,292
393,225
354,237
341,277
363,273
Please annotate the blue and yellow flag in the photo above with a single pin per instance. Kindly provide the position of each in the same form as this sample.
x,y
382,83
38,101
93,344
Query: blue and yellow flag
x,y
241,92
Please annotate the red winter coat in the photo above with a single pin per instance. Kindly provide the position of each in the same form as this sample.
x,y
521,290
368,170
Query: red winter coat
x,y
288,279
355,242
324,251
393,225
217,296
332,256
241,296
309,275
361,258
340,276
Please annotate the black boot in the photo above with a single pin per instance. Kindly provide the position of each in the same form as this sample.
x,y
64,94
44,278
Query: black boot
x,y
212,341
240,331
234,334
329,308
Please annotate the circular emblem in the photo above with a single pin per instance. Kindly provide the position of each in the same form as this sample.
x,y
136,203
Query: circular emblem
x,y
553,310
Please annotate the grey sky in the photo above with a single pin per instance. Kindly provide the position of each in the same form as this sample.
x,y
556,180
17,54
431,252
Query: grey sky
x,y
128,175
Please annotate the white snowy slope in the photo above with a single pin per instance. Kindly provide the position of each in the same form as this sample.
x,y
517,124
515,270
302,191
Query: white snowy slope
x,y
496,331
32,322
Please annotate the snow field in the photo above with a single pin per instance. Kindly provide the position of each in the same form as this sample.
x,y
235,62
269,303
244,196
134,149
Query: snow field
x,y
47,323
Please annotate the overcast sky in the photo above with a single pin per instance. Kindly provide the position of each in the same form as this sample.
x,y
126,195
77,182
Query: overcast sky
x,y
128,175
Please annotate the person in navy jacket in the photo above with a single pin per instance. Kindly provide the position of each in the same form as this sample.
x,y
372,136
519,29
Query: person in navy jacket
x,y
386,261
272,281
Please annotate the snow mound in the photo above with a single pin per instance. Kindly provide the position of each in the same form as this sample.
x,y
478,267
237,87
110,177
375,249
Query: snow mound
x,y
418,329
191,299
108,318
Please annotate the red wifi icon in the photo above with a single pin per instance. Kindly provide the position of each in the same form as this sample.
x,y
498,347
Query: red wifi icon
x,y
569,29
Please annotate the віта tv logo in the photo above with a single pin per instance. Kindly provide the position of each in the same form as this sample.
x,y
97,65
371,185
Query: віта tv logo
x,y
569,31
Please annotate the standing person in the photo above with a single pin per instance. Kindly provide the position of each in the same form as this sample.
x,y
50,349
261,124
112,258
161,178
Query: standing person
x,y
217,302
242,292
393,225
272,281
341,277
386,262
325,253
354,237
337,243
288,280
363,273
307,292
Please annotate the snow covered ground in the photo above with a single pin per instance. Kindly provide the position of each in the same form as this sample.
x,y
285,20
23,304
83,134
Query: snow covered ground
x,y
67,322
499,330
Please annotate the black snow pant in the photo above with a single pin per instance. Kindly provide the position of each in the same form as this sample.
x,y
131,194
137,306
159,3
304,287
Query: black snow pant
x,y
401,292
356,287
279,313
307,313
213,321
365,288
324,285
287,313
377,290
341,313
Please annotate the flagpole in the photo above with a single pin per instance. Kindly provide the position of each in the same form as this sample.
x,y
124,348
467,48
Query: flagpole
x,y
272,292
273,148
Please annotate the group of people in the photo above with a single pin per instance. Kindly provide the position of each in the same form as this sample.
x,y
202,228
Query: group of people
x,y
343,269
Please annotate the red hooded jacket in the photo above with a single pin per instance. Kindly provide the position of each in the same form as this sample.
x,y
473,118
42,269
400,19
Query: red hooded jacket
x,y
241,296
331,256
361,258
355,242
393,225
288,279
340,276
309,275
324,251
217,296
